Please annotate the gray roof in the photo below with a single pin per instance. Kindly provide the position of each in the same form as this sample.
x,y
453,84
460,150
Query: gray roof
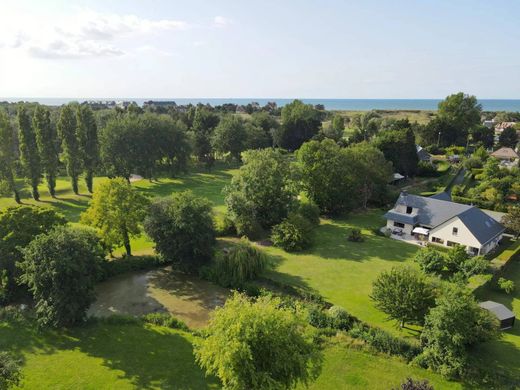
x,y
422,154
442,196
502,312
434,212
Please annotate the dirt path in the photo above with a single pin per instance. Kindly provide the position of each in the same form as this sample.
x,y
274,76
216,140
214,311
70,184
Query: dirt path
x,y
189,299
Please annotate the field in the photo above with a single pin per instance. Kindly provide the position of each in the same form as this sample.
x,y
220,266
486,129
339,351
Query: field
x,y
106,355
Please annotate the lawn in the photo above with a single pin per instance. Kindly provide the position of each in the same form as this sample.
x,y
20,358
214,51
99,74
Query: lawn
x,y
105,356
343,271
113,355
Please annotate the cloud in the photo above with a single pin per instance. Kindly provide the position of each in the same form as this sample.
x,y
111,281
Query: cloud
x,y
82,35
221,21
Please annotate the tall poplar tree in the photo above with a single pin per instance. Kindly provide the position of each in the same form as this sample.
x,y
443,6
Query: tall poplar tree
x,y
7,155
46,139
67,130
29,155
88,142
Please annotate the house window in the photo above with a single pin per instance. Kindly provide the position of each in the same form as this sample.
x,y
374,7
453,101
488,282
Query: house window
x,y
399,224
455,231
438,240
451,243
409,210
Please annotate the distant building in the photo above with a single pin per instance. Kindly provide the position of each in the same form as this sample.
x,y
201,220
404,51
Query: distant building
x,y
499,128
423,155
489,123
438,220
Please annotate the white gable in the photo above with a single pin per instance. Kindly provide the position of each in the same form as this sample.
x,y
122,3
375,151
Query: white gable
x,y
463,235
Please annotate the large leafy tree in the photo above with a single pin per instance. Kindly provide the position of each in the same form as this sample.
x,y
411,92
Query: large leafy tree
x,y
18,226
7,155
29,154
512,220
451,327
462,110
117,211
404,294
398,146
482,135
328,176
88,142
259,345
267,122
46,138
61,269
68,132
263,189
182,228
508,137
230,136
373,172
204,122
300,122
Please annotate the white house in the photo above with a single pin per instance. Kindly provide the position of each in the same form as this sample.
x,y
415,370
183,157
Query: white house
x,y
439,220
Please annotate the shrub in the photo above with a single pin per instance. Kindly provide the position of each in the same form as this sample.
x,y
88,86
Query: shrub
x,y
310,211
384,342
225,227
474,266
317,317
426,169
340,319
506,285
355,235
292,234
430,260
249,227
412,384
239,264
10,374
456,257
164,319
457,190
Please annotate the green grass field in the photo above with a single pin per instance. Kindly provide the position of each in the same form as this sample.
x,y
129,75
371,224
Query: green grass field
x,y
116,356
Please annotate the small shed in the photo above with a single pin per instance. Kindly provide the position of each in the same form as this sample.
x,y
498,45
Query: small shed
x,y
504,315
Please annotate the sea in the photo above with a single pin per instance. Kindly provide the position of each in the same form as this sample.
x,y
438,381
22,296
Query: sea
x,y
330,104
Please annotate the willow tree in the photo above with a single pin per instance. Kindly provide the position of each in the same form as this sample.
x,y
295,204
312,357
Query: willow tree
x,y
46,139
88,142
29,155
7,155
67,129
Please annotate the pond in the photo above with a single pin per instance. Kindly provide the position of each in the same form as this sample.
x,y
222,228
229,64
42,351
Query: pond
x,y
186,297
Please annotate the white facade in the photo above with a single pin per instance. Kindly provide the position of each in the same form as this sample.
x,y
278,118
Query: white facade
x,y
454,231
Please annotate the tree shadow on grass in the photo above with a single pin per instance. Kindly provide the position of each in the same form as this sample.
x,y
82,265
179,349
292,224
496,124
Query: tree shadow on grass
x,y
149,358
71,208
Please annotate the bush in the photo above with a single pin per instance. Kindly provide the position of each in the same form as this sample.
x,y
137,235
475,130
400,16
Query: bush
x,y
412,384
164,319
10,374
506,285
237,265
384,342
474,266
426,169
225,227
340,319
249,227
430,260
355,235
457,190
292,234
310,211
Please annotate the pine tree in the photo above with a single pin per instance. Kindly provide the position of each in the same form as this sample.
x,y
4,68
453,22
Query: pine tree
x,y
29,155
46,140
67,130
88,142
7,155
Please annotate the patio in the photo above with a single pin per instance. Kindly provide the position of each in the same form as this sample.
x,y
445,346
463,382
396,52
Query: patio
x,y
398,234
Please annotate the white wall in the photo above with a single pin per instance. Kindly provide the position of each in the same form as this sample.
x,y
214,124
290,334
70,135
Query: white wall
x,y
463,237
407,228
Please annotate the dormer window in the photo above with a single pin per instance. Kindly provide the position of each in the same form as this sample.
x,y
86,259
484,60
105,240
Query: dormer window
x,y
455,231
409,210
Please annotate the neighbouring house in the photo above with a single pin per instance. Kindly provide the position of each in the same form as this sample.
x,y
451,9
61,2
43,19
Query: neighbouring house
x,y
504,315
396,178
506,155
502,126
489,123
438,220
423,155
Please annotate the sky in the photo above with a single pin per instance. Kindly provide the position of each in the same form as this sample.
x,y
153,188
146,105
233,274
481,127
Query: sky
x,y
264,49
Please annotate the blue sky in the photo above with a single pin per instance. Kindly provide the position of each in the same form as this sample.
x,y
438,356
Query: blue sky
x,y
307,49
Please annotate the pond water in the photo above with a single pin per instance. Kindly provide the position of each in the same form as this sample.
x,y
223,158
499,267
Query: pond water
x,y
187,298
